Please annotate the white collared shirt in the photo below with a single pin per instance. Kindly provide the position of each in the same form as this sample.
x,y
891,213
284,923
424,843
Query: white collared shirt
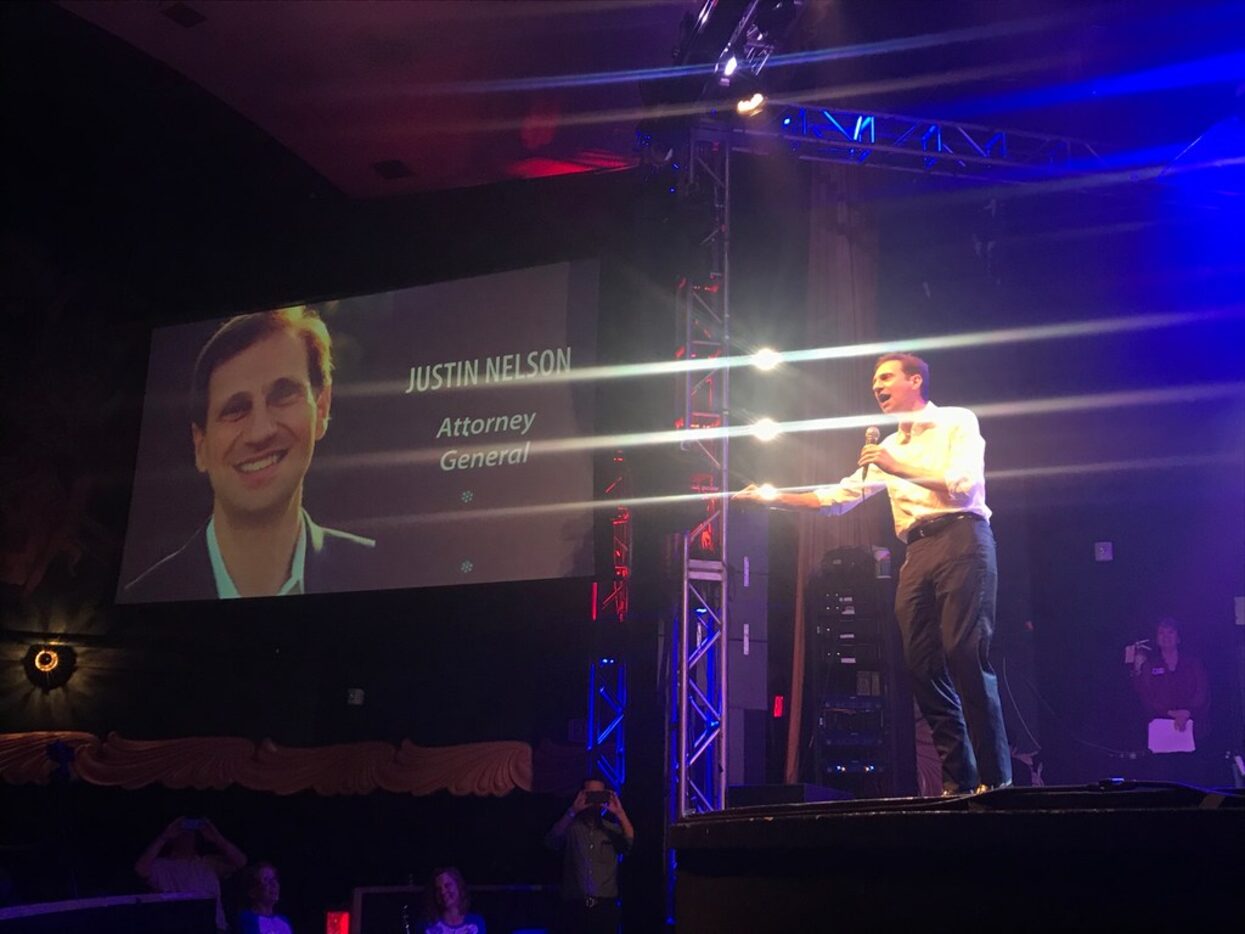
x,y
939,442
225,588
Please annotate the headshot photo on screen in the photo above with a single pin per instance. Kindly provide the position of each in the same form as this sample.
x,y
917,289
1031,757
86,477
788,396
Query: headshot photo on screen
x,y
401,439
260,400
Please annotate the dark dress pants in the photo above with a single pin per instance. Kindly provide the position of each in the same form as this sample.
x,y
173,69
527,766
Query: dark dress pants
x,y
945,608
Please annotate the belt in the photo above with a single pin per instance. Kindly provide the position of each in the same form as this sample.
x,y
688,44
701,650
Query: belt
x,y
934,526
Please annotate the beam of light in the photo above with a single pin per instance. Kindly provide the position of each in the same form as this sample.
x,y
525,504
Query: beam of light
x,y
768,358
704,108
1195,73
1177,462
766,429
1094,171
1077,180
928,40
837,54
378,523
1198,392
1204,392
939,79
751,106
1060,471
769,491
1041,332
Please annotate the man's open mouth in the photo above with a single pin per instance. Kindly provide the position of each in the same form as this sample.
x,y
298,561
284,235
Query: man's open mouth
x,y
883,398
260,463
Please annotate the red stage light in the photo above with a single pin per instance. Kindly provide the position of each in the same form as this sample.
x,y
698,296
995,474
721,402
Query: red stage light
x,y
778,703
337,922
586,160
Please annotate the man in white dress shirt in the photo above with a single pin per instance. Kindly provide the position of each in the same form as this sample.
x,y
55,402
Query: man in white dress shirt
x,y
933,469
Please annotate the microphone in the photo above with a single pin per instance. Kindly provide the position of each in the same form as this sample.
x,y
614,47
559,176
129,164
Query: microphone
x,y
873,435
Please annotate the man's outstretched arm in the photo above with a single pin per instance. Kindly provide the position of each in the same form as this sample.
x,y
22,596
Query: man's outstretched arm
x,y
779,498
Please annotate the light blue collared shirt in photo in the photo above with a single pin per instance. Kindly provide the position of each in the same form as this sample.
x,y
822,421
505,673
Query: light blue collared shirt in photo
x,y
225,588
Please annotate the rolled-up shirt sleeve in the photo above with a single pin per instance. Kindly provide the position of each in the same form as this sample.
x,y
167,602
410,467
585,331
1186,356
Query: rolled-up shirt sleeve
x,y
851,491
966,458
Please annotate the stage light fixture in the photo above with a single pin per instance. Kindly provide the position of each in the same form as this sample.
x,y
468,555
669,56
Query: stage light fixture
x,y
766,358
731,65
766,429
751,106
768,492
50,665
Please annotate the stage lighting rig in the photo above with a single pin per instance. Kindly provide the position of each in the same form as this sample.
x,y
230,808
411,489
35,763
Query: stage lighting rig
x,y
731,40
737,36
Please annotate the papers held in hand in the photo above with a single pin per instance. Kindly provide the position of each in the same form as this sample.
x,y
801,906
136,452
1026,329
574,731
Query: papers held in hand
x,y
1164,737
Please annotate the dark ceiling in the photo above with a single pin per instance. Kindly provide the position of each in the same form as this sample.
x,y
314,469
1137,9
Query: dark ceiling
x,y
392,98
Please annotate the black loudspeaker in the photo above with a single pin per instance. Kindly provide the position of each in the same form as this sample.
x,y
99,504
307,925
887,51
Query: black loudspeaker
x,y
858,708
747,623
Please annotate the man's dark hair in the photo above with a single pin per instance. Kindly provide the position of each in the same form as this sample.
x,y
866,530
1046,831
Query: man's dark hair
x,y
912,365
243,331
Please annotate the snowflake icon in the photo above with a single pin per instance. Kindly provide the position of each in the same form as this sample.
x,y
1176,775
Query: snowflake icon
x,y
468,496
466,567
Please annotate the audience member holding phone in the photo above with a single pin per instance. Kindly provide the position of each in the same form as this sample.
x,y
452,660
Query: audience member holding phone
x,y
593,835
190,855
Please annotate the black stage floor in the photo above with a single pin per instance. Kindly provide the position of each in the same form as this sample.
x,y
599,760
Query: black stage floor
x,y
1116,856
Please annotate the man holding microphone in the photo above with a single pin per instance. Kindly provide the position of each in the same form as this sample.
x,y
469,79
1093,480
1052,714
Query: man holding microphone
x,y
933,469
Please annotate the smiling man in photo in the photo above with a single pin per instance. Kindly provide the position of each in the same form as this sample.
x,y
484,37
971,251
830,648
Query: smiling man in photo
x,y
260,401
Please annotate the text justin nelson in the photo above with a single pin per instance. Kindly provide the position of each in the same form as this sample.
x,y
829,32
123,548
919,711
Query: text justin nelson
x,y
503,368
